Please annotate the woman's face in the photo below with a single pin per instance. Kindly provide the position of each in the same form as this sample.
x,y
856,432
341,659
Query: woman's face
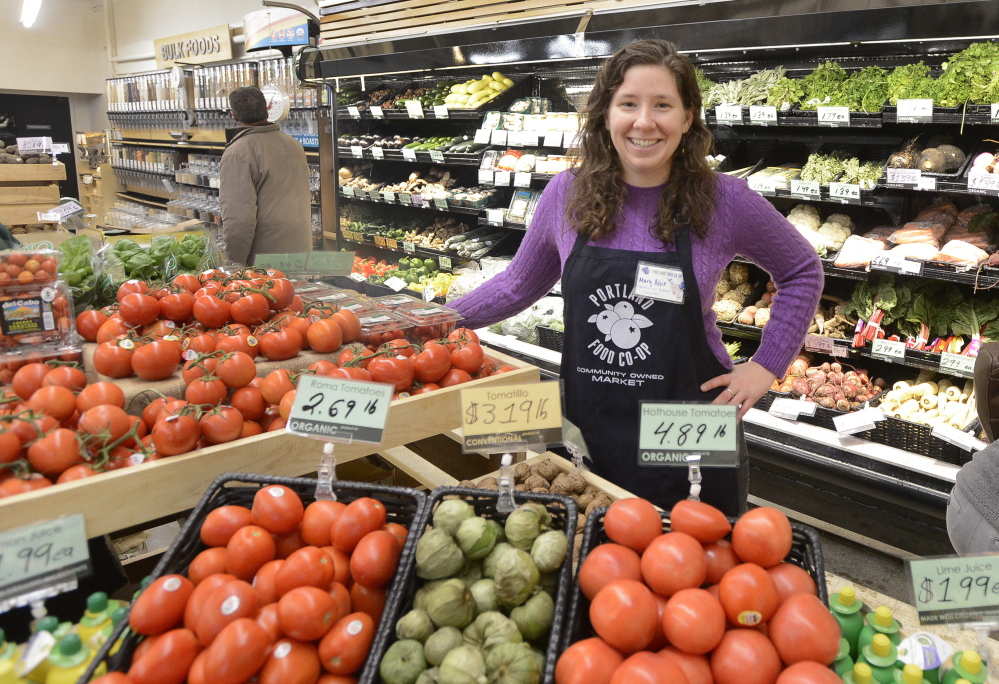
x,y
646,121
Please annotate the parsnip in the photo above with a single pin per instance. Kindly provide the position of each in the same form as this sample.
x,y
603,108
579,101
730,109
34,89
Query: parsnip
x,y
928,401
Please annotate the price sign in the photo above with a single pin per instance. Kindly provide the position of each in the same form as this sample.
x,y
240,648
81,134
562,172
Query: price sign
x,y
329,263
529,138
522,179
288,263
958,438
391,243
33,145
514,139
994,112
501,178
348,191
415,109
668,433
485,177
895,263
417,200
437,156
340,410
63,212
377,152
984,183
956,364
904,177
409,154
494,217
806,189
570,139
396,283
377,112
790,409
358,278
762,185
553,139
834,116
762,116
379,240
39,556
846,193
914,111
493,418
440,202
482,136
440,111
955,589
852,423
888,350
445,263
927,183
404,198
498,137
729,114
818,343
354,112
356,151
408,247
388,196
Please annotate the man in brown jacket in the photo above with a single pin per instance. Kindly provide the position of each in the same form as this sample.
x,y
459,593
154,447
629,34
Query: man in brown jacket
x,y
264,186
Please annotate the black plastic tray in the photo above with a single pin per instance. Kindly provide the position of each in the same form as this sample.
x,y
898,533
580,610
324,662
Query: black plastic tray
x,y
563,511
404,506
549,338
964,144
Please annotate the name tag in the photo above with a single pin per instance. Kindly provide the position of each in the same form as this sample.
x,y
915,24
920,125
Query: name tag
x,y
664,283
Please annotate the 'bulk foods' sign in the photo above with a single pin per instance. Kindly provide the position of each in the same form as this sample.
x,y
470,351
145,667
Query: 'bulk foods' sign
x,y
197,47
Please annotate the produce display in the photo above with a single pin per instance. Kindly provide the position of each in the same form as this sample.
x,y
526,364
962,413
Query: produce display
x,y
450,144
10,155
830,385
469,94
937,155
825,236
733,291
930,401
474,93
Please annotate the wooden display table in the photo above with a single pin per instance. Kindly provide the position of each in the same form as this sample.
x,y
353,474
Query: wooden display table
x,y
138,494
27,189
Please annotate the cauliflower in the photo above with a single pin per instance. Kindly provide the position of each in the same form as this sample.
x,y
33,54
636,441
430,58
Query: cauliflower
x,y
841,219
815,240
834,234
804,216
738,273
726,310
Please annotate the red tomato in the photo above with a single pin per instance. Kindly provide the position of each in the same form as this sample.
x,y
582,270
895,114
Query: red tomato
x,y
648,668
345,647
55,453
306,613
606,563
349,324
251,309
249,548
804,629
206,390
455,376
590,661
200,595
395,370
69,377
230,602
291,662
130,286
175,434
222,424
168,660
748,595
318,519
374,559
281,345
745,656
762,536
468,358
361,516
58,402
263,581
276,385
702,521
399,532
370,601
113,678
207,563
237,653
138,309
721,558
432,363
790,579
624,614
633,523
341,601
277,509
88,323
98,394
325,336
807,672
694,621
267,617
157,360
696,667
211,311
673,561
237,370
306,567
161,605
249,402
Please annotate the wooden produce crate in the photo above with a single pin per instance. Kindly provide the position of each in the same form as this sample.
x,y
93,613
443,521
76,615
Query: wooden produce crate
x,y
150,491
22,214
20,173
22,192
28,189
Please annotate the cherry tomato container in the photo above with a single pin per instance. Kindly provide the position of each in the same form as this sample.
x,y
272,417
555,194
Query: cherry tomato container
x,y
430,321
404,506
381,326
36,316
563,511
394,301
11,361
359,307
23,267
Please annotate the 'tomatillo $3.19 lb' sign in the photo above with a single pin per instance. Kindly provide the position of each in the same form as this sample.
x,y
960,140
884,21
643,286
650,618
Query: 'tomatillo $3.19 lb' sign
x,y
197,47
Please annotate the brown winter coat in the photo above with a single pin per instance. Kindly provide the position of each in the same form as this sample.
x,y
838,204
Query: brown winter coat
x,y
264,193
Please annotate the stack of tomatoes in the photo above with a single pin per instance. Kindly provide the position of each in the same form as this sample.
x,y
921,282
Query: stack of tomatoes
x,y
284,593
689,607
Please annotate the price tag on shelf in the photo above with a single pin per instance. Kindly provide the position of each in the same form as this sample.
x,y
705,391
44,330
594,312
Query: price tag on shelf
x,y
833,116
492,418
42,560
288,263
391,243
762,185
417,200
903,177
729,114
356,151
445,263
348,191
377,112
408,247
958,438
522,179
994,112
927,183
956,364
529,138
340,410
955,589
409,154
494,217
501,178
437,156
762,116
818,343
482,136
888,350
440,202
396,283
806,189
915,111
846,193
790,409
668,433
404,198
415,109
514,139
895,263
380,241
852,423
388,196
570,139
33,145
168,185
553,139
485,177
440,111
63,212
377,152
498,137
984,183
354,112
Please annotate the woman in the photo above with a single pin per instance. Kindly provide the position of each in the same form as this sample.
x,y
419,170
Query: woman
x,y
645,203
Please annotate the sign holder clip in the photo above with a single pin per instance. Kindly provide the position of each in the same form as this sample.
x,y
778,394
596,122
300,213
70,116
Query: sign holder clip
x,y
326,475
505,503
694,476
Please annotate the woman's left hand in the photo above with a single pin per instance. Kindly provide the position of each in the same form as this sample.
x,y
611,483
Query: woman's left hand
x,y
743,386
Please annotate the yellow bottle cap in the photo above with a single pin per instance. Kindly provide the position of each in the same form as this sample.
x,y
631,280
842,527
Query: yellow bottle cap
x,y
911,674
962,681
847,596
880,645
971,661
883,616
862,673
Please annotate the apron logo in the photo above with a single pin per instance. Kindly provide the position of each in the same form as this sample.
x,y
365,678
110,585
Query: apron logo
x,y
620,326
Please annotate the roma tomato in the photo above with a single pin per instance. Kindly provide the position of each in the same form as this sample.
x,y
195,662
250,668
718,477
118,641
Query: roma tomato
x,y
200,595
138,309
211,311
648,668
702,521
349,324
55,453
455,376
281,345
263,581
230,602
367,600
58,402
590,661
160,606
392,370
69,377
375,558
696,667
220,524
291,662
168,660
361,516
89,322
624,614
790,579
674,561
249,548
694,621
804,629
267,617
240,650
345,647
748,595
206,390
237,370
110,359
468,358
309,566
325,336
306,613
276,385
207,563
745,656
606,563
250,402
221,424
633,523
104,424
318,519
251,309
807,672
277,509
721,558
288,543
762,536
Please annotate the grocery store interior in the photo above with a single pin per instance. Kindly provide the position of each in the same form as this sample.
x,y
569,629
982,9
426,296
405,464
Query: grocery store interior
x,y
137,373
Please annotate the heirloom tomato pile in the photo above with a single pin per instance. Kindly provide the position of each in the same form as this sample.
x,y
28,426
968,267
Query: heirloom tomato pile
x,y
690,607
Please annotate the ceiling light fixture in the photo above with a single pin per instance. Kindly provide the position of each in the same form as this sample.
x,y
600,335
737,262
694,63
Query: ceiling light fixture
x,y
29,12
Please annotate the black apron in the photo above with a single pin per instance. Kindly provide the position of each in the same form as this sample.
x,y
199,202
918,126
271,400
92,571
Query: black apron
x,y
662,356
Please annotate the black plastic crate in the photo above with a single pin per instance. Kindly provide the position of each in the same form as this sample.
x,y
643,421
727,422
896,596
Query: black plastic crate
x,y
402,505
806,553
918,439
550,338
743,152
964,142
564,513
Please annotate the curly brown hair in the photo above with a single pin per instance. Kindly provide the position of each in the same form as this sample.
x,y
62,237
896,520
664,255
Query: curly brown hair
x,y
598,188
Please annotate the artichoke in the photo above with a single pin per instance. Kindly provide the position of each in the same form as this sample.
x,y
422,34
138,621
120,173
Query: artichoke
x,y
450,513
548,551
463,665
403,662
522,527
437,556
415,624
490,561
484,593
512,664
476,538
440,644
534,618
451,604
516,578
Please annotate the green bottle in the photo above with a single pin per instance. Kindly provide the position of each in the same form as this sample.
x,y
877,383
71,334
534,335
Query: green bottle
x,y
860,674
8,650
910,674
880,621
846,609
844,663
69,660
881,655
967,665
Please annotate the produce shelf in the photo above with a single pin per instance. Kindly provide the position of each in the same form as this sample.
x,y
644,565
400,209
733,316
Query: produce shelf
x,y
420,251
450,159
452,114
423,204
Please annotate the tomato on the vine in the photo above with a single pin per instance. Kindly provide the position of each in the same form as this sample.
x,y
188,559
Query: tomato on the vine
x,y
468,358
280,345
396,371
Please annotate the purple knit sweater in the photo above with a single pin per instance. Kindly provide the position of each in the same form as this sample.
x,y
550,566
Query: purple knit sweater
x,y
744,224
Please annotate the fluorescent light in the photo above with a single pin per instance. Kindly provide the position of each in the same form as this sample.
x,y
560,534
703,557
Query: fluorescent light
x,y
29,12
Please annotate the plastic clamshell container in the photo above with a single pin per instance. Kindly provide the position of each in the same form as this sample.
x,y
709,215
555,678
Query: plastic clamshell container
x,y
393,302
35,314
382,326
16,264
358,307
430,321
20,356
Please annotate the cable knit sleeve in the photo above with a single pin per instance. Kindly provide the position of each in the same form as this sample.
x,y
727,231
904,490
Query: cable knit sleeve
x,y
534,270
763,235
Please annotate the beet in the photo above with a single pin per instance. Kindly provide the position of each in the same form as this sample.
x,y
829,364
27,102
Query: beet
x,y
843,405
835,378
826,402
850,390
835,367
825,367
825,391
800,387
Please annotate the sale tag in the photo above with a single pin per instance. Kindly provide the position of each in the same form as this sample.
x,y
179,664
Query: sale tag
x,y
377,112
340,410
915,111
440,111
408,246
762,116
729,114
900,178
522,179
445,263
377,152
958,438
485,177
790,409
956,364
42,560
33,145
408,154
482,136
501,178
852,423
288,263
493,418
437,156
818,343
846,193
955,589
833,116
668,433
806,189
984,183
553,139
888,350
356,151
354,112
329,263
415,109
494,217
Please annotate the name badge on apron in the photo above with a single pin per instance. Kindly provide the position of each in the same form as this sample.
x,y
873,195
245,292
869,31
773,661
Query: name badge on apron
x,y
656,281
